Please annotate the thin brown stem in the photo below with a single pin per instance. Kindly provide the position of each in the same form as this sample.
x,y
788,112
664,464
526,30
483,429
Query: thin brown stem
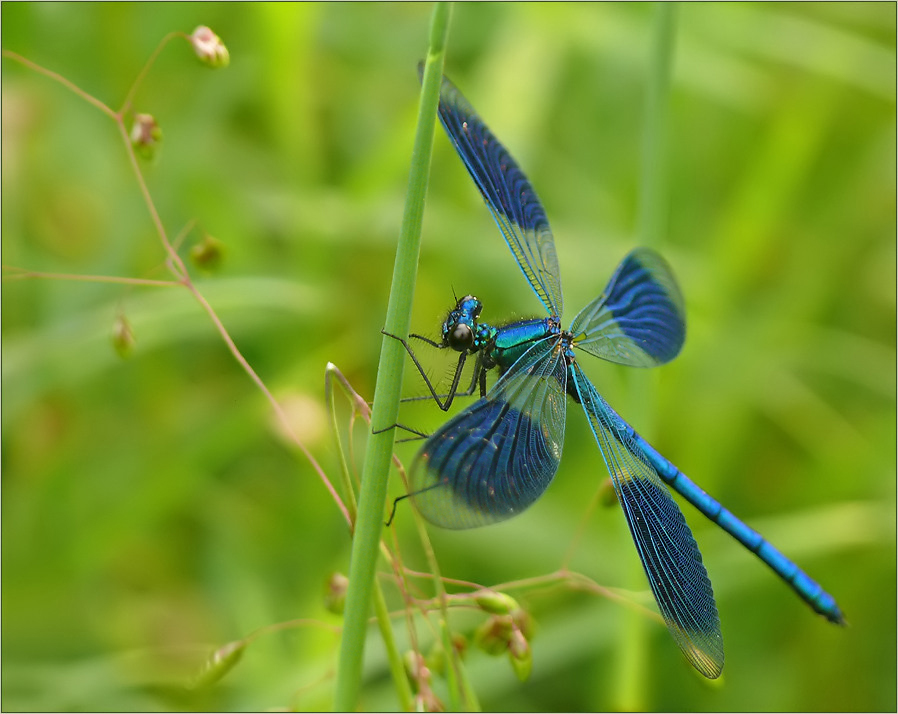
x,y
126,105
275,405
22,274
148,200
174,261
63,81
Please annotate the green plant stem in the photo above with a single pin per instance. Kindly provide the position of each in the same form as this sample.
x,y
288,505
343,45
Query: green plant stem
x,y
462,696
653,203
653,198
375,470
397,669
403,686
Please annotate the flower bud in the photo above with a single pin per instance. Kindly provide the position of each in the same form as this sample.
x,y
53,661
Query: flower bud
x,y
207,254
492,636
416,670
219,664
209,48
495,603
145,135
411,664
460,645
123,337
521,655
335,593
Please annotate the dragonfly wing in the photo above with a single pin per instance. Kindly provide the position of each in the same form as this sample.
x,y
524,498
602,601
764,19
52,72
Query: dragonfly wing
x,y
639,320
508,194
665,544
494,459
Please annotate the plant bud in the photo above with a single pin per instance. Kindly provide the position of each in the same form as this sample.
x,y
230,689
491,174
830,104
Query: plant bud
x,y
495,603
207,254
460,644
521,655
335,593
145,135
209,48
123,337
492,636
219,664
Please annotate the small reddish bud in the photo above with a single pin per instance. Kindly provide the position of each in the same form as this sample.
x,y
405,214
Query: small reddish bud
x,y
123,337
492,636
521,655
335,593
209,48
460,644
145,135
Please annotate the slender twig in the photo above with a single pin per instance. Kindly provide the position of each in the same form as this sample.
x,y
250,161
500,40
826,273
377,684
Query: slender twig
x,y
148,200
185,231
64,82
22,274
174,260
126,105
180,269
275,404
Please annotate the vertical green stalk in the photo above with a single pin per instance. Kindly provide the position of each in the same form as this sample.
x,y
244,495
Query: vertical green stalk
x,y
653,203
394,658
385,412
653,184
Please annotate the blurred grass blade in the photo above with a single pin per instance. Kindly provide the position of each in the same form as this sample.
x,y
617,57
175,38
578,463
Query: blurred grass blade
x,y
631,683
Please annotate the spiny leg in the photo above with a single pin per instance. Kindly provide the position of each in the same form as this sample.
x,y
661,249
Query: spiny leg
x,y
444,401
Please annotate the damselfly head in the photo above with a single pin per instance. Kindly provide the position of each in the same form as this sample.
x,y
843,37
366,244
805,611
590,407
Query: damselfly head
x,y
460,324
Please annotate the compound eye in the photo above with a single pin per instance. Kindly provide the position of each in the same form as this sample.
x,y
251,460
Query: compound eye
x,y
461,338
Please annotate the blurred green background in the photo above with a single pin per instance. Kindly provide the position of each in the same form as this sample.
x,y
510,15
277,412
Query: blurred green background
x,y
151,509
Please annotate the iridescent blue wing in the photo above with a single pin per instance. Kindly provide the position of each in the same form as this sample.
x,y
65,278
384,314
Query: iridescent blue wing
x,y
499,455
665,544
508,194
639,320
